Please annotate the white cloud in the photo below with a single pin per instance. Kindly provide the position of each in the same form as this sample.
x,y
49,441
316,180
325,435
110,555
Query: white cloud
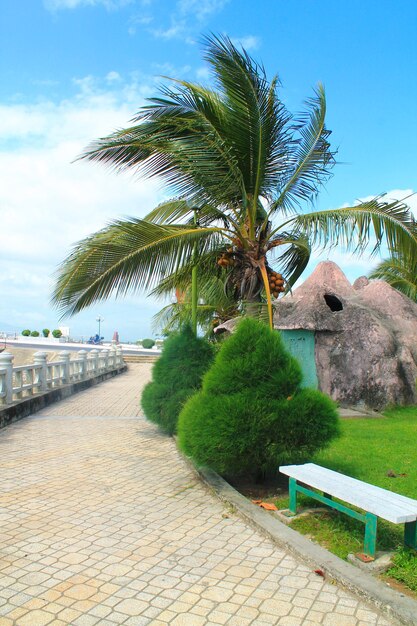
x,y
175,30
185,19
249,42
112,77
139,20
47,203
201,9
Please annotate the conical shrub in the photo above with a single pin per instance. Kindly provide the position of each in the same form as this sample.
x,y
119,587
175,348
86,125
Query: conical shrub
x,y
251,413
176,376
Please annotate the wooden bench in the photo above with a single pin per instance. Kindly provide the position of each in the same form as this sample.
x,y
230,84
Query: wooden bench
x,y
375,501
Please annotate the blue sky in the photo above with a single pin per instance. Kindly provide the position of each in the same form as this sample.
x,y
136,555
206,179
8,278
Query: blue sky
x,y
74,70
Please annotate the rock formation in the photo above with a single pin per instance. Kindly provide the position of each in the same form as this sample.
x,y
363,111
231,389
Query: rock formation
x,y
365,337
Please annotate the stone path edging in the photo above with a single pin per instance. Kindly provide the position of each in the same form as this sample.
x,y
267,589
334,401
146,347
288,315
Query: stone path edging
x,y
391,602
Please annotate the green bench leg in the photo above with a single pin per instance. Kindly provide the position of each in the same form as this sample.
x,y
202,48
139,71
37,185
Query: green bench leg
x,y
369,546
410,535
293,496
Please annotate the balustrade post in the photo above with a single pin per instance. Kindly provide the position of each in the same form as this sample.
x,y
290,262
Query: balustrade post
x,y
112,356
94,359
39,358
6,365
82,372
119,357
105,355
65,368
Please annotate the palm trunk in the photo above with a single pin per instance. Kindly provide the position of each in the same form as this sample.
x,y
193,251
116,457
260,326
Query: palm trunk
x,y
268,293
253,300
194,285
194,300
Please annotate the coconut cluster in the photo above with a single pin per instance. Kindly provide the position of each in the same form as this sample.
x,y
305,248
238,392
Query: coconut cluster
x,y
226,259
230,258
276,283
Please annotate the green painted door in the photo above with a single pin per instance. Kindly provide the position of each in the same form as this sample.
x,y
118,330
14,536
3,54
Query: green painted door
x,y
300,343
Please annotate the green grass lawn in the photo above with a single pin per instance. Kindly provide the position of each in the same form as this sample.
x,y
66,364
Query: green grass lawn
x,y
369,449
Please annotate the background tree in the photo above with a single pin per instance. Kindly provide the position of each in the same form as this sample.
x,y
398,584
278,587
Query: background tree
x,y
400,271
214,305
147,343
176,375
244,173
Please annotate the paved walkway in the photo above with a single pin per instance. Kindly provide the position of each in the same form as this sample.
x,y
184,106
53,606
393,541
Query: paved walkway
x,y
102,522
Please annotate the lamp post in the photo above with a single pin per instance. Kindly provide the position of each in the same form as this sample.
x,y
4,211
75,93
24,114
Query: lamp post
x,y
99,319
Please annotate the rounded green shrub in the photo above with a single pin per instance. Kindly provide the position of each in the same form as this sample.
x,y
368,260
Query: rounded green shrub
x,y
57,333
46,332
148,344
26,332
34,333
251,413
176,376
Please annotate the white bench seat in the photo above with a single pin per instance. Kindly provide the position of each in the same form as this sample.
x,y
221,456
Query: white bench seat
x,y
377,502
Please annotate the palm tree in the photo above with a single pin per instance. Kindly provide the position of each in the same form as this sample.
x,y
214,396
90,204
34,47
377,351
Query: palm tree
x,y
242,171
215,305
400,272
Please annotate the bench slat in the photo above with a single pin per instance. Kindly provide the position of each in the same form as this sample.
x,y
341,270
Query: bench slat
x,y
378,492
381,502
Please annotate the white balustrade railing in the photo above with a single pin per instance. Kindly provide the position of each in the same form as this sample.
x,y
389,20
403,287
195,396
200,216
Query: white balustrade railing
x,y
40,376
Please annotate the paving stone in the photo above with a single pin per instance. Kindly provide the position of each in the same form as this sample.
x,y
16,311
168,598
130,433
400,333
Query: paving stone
x,y
275,607
186,619
131,606
35,618
104,523
80,592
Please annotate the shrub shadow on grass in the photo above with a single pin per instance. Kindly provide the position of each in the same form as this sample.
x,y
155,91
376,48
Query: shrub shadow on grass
x,y
273,486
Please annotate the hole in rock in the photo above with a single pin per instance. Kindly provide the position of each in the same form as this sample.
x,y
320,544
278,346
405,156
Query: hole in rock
x,y
333,302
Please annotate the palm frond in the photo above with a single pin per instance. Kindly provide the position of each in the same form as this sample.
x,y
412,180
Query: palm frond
x,y
213,302
177,137
355,227
175,315
400,272
294,258
257,310
310,158
124,257
182,211
170,212
207,269
257,122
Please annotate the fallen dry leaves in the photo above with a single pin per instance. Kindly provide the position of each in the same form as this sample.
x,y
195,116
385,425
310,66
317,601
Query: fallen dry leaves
x,y
265,505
